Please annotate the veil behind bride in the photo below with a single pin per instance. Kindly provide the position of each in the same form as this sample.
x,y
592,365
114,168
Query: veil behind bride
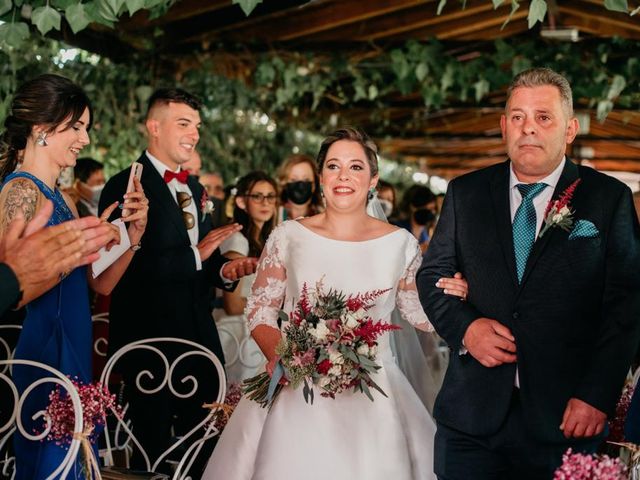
x,y
417,353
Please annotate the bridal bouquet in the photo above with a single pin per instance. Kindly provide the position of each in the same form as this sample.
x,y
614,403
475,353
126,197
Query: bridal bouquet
x,y
329,342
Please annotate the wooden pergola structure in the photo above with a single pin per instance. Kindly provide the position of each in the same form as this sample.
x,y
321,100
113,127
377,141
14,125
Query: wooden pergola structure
x,y
454,140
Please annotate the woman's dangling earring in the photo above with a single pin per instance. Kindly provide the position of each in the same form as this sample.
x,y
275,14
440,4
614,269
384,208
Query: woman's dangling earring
x,y
41,139
372,192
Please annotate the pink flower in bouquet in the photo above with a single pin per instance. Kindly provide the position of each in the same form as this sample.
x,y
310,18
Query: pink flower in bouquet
x,y
579,466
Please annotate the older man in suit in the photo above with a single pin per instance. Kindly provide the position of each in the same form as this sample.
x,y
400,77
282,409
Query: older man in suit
x,y
166,290
542,345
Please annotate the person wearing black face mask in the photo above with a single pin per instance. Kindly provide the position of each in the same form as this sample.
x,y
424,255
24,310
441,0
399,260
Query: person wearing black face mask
x,y
418,209
297,192
300,188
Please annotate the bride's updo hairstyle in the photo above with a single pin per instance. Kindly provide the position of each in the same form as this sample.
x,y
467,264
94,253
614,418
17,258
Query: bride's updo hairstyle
x,y
353,135
45,100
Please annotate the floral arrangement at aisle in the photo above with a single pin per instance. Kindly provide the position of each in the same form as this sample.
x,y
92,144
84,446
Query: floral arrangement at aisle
x,y
97,402
616,424
330,342
579,466
224,410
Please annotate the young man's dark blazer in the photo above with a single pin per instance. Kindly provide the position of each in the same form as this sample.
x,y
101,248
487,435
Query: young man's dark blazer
x,y
161,293
575,316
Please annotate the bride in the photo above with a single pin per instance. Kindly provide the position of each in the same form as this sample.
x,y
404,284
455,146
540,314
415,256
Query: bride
x,y
351,436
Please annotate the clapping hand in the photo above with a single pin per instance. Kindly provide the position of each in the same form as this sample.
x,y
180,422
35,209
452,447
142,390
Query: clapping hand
x,y
214,238
236,269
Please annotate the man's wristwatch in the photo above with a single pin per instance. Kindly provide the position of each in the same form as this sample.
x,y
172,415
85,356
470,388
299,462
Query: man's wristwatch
x,y
136,247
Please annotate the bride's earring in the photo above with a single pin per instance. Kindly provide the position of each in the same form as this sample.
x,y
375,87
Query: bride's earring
x,y
372,192
41,139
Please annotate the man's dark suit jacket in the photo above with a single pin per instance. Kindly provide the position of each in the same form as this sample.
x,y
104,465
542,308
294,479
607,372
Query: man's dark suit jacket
x,y
9,288
161,293
575,316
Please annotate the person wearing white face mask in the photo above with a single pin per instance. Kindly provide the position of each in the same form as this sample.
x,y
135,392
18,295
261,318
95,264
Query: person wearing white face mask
x,y
89,175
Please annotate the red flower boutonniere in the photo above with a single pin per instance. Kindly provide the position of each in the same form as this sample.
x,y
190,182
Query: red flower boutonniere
x,y
206,205
558,212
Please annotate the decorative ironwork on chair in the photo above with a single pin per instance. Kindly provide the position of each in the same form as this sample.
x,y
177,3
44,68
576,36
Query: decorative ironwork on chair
x,y
239,338
14,422
199,434
8,339
100,342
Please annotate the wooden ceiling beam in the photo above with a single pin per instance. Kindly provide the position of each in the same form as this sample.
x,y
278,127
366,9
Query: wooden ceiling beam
x,y
309,19
423,16
182,10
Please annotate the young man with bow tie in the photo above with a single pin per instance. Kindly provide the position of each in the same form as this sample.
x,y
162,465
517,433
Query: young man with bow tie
x,y
166,291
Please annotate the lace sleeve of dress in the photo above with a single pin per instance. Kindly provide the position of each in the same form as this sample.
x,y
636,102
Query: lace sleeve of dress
x,y
267,292
407,298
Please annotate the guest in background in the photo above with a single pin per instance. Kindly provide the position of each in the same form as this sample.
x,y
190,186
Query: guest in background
x,y
255,209
89,182
387,198
300,188
214,185
418,213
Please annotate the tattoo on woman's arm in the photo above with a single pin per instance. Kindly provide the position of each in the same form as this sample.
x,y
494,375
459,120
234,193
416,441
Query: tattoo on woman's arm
x,y
22,198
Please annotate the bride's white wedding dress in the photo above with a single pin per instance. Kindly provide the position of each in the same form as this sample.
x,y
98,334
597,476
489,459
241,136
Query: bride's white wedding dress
x,y
350,437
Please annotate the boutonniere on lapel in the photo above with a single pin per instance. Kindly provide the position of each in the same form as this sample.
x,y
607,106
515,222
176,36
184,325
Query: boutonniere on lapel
x,y
558,212
206,205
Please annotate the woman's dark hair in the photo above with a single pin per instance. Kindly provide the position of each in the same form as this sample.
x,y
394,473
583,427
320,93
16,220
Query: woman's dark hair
x,y
46,100
316,204
353,135
257,238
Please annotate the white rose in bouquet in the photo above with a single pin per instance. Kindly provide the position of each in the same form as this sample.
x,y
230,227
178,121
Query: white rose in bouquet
x,y
363,349
321,331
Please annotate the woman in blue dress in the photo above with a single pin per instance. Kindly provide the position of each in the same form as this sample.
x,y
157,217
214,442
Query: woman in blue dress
x,y
45,131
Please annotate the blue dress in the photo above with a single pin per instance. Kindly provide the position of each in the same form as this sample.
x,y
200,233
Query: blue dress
x,y
56,332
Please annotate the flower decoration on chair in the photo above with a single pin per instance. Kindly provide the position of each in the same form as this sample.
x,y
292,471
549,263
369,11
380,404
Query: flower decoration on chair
x,y
616,424
558,212
97,402
579,466
329,342
224,410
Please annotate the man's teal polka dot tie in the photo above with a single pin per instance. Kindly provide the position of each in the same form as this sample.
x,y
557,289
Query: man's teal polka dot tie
x,y
524,224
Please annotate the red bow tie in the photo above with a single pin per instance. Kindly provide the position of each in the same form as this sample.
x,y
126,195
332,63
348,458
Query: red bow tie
x,y
181,176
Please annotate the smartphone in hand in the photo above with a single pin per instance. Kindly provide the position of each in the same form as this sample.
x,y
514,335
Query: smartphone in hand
x,y
136,172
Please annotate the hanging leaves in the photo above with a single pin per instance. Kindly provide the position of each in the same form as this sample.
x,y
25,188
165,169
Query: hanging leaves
x,y
247,5
77,17
46,18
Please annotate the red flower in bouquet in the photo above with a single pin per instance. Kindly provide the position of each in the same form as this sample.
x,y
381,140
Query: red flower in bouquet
x,y
330,342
